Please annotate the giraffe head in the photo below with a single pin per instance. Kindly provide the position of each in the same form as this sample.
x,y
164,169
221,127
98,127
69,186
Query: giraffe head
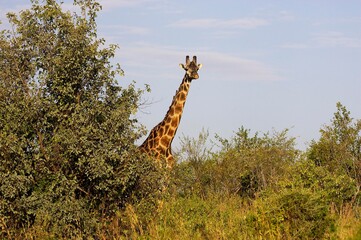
x,y
191,68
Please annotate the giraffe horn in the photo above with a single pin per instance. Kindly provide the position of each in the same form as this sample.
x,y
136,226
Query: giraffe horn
x,y
187,60
195,59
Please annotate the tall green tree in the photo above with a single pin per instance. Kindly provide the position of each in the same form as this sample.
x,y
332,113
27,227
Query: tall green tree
x,y
67,153
339,147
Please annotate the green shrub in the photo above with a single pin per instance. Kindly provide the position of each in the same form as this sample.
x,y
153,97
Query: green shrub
x,y
298,207
67,153
339,147
334,188
295,213
244,165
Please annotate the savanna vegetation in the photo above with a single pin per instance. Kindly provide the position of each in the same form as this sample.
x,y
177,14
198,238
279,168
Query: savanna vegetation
x,y
70,168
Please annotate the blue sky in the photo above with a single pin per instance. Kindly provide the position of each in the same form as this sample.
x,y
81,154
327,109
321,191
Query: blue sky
x,y
266,64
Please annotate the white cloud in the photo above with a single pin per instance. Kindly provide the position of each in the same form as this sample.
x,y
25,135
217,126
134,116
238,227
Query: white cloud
x,y
121,3
273,15
335,21
227,67
326,40
162,62
295,46
285,16
336,39
239,23
111,4
108,5
117,30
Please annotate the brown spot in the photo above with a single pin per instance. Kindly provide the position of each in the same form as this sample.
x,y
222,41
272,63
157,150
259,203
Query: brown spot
x,y
182,97
151,143
165,141
171,111
175,122
161,131
161,151
178,108
168,120
166,127
171,132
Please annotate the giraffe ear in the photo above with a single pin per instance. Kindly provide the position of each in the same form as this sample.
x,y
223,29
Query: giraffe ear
x,y
182,66
200,66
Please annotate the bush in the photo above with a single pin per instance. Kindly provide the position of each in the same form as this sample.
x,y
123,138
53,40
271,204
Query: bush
x,y
295,213
335,188
244,166
339,147
291,196
298,207
67,153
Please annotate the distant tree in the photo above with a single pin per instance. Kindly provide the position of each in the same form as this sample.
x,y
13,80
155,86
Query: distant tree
x,y
339,147
67,153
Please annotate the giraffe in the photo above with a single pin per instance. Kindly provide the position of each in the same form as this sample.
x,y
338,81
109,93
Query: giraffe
x,y
160,138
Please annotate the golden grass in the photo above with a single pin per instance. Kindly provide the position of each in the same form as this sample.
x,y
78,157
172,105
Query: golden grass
x,y
213,217
348,223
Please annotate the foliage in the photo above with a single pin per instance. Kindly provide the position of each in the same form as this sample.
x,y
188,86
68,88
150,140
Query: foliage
x,y
194,150
339,147
244,165
299,205
289,214
291,196
67,153
334,188
193,157
69,167
193,217
295,213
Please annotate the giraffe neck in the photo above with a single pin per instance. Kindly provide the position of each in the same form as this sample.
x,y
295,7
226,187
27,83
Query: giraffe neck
x,y
161,136
173,116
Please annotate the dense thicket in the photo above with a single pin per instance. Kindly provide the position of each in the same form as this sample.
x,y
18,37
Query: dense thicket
x,y
67,153
69,167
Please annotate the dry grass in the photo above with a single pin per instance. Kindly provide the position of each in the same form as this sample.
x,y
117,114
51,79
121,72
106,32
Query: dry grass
x,y
212,218
348,222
